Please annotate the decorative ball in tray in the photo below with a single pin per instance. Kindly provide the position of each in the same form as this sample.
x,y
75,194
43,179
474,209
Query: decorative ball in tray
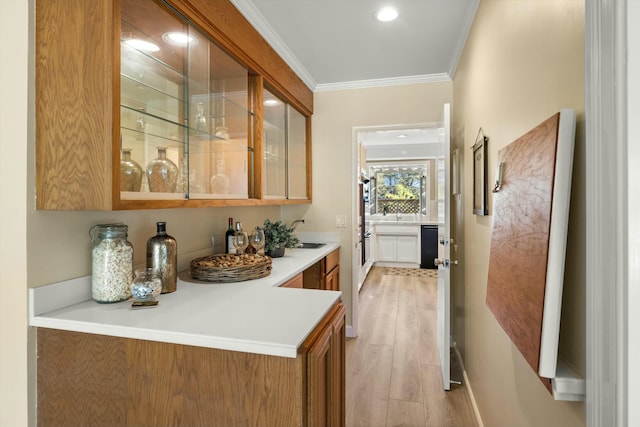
x,y
230,268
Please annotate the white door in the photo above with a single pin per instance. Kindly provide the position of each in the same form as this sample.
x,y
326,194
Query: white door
x,y
443,261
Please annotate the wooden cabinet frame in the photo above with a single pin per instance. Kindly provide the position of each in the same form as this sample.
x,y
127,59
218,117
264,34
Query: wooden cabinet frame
x,y
324,274
78,92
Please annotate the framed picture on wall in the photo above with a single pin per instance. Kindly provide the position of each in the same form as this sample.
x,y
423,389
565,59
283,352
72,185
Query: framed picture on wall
x,y
480,175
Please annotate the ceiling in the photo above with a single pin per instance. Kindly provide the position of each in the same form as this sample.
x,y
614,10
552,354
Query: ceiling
x,y
337,44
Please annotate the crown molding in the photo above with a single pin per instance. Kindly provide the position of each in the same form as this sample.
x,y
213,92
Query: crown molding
x,y
257,21
255,18
394,81
467,22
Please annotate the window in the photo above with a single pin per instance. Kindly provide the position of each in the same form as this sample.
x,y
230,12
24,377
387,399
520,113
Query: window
x,y
399,188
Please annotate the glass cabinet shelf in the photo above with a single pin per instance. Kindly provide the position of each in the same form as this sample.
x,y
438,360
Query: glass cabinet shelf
x,y
141,124
150,71
138,96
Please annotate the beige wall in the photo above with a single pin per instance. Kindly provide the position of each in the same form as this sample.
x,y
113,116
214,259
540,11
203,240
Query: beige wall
x,y
14,42
522,63
335,115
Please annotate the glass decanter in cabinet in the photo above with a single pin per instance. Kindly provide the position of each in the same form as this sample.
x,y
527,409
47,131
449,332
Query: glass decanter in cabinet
x,y
183,109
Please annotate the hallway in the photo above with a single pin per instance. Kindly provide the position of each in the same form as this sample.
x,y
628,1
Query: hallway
x,y
393,374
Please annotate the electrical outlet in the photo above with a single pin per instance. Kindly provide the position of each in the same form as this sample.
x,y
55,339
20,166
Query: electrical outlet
x,y
217,241
341,221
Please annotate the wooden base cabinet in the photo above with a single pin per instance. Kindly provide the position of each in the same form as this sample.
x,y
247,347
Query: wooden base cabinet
x,y
325,274
96,380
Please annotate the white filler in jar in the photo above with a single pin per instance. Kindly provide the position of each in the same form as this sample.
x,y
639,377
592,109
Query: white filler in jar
x,y
112,267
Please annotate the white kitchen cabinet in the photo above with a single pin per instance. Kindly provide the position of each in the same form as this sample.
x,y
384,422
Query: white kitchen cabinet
x,y
386,248
397,245
407,249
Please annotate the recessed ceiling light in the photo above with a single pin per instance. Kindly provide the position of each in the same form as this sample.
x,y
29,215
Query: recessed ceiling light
x,y
178,38
142,45
271,102
402,135
386,14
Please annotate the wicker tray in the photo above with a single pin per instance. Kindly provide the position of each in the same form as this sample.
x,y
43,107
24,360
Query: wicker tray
x,y
230,268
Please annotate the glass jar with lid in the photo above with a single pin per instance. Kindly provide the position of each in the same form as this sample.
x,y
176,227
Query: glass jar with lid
x,y
112,263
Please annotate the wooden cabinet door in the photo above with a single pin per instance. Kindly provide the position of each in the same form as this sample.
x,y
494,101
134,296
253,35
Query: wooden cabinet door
x,y
332,280
326,373
338,396
319,379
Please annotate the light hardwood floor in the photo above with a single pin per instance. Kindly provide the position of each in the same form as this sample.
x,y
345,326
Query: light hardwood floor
x,y
393,372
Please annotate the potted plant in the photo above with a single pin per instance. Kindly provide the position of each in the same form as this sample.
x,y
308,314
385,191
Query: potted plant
x,y
278,236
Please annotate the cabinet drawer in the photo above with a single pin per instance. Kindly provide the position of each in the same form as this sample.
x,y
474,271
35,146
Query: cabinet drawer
x,y
294,282
332,260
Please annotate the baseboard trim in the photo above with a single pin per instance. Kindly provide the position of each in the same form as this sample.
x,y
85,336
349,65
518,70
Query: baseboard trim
x,y
349,332
467,384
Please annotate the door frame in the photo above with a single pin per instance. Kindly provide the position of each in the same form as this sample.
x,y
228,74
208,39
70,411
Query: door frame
x,y
612,252
352,330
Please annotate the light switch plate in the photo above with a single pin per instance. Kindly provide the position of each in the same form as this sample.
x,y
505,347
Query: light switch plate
x,y
341,221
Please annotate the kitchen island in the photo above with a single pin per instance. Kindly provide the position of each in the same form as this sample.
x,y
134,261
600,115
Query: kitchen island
x,y
248,353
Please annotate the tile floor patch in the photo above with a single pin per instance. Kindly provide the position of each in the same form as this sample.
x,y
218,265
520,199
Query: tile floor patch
x,y
413,272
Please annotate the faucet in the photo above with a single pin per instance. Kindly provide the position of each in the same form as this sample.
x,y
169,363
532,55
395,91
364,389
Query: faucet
x,y
293,227
295,223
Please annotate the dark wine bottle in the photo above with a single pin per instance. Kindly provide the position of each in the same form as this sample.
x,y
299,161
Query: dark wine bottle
x,y
228,241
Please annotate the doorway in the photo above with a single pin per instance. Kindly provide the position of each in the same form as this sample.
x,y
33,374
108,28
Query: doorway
x,y
419,143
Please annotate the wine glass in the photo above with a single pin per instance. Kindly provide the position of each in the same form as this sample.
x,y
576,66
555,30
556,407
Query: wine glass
x,y
240,241
257,239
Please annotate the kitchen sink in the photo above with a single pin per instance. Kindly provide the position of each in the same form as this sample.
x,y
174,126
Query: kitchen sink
x,y
307,245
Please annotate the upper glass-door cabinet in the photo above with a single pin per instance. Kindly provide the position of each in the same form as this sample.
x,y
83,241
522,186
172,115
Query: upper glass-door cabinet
x,y
285,150
184,118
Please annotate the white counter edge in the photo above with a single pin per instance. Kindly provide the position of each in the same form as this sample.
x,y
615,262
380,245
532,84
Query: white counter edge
x,y
56,296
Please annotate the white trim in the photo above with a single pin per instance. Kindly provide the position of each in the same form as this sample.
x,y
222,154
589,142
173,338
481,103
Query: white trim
x,y
467,22
349,332
392,81
606,221
633,194
355,239
559,225
257,21
467,385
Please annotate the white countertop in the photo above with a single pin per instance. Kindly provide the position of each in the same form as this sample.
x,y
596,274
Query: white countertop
x,y
254,316
392,219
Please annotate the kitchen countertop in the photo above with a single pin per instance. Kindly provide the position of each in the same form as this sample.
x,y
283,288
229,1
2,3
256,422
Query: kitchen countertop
x,y
392,219
254,316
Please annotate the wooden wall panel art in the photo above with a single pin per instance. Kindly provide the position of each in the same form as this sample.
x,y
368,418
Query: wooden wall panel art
x,y
528,239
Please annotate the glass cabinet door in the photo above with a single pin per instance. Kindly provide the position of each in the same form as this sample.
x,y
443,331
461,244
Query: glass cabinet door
x,y
153,134
219,123
296,154
275,147
184,110
285,150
